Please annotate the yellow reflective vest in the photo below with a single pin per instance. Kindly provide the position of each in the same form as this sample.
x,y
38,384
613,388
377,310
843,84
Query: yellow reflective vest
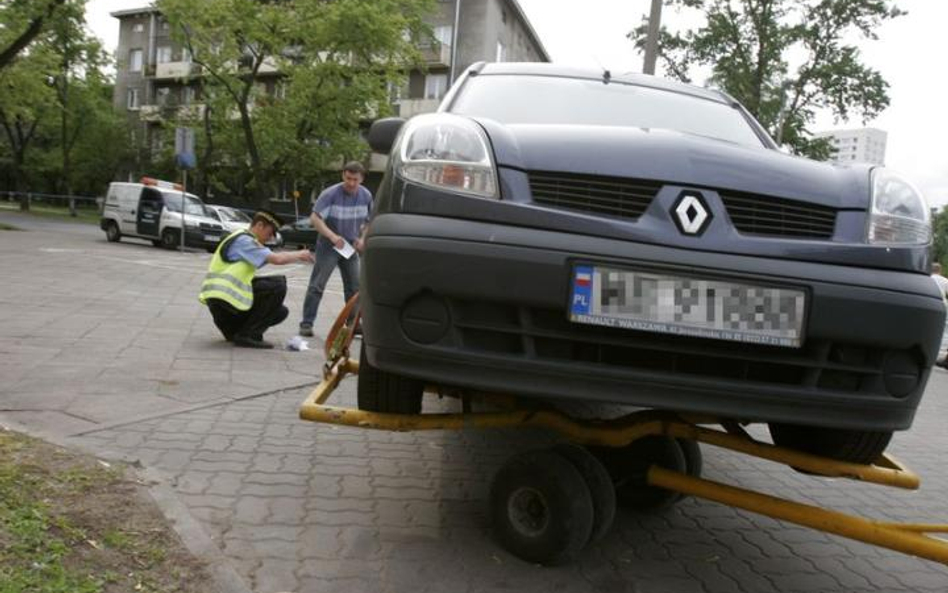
x,y
231,282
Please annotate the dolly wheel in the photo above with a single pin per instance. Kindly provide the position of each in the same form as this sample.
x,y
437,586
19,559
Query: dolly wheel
x,y
541,507
600,486
628,467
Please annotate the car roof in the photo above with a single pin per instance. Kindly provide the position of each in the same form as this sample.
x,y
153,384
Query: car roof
x,y
558,70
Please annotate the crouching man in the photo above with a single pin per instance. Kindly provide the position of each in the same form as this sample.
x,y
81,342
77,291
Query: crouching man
x,y
242,305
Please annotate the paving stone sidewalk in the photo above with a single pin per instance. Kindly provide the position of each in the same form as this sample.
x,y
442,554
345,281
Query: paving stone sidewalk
x,y
104,346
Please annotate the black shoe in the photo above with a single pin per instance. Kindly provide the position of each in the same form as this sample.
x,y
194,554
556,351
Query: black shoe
x,y
249,342
306,331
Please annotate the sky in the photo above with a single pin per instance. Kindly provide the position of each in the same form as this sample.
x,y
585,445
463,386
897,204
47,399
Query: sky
x,y
593,33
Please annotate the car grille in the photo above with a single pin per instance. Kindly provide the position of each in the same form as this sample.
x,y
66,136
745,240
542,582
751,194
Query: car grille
x,y
764,215
628,198
612,196
542,334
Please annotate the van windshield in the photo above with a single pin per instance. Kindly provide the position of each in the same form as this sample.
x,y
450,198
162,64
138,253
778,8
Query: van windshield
x,y
193,205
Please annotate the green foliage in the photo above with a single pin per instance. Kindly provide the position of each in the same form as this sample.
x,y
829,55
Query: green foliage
x,y
58,131
748,45
285,85
940,242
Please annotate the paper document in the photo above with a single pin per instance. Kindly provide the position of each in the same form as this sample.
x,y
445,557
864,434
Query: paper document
x,y
346,250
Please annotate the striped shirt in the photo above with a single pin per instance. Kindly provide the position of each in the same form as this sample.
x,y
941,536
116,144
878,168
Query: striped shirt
x,y
344,213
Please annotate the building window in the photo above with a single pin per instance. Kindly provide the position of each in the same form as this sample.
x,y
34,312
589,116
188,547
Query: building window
x,y
163,54
186,55
187,95
443,34
135,60
501,52
138,28
162,94
435,85
133,103
165,25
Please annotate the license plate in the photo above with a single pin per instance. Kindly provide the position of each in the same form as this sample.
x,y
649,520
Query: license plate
x,y
672,304
211,238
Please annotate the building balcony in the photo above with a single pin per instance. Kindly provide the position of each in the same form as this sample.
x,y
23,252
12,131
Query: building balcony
x,y
408,107
436,54
149,113
176,70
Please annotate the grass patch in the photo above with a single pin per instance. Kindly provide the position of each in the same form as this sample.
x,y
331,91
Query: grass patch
x,y
72,524
7,227
84,214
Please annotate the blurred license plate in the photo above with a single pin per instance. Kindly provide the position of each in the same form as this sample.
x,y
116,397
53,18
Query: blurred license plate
x,y
669,304
211,237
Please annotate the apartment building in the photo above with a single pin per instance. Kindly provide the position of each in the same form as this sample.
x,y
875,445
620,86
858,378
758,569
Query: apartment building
x,y
861,145
155,77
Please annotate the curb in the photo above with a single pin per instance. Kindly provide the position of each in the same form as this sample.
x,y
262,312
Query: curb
x,y
192,534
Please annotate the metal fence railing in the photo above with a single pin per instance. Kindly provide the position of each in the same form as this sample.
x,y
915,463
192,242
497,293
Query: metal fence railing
x,y
38,198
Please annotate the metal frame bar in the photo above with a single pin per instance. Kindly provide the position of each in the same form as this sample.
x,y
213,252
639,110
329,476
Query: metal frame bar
x,y
903,537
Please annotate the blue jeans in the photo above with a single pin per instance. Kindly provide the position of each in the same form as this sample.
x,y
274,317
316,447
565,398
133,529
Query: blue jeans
x,y
326,261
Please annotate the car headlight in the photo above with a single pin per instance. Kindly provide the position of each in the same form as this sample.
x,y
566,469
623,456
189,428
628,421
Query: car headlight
x,y
447,152
898,214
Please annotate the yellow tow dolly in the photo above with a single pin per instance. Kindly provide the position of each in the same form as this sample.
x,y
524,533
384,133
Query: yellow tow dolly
x,y
539,505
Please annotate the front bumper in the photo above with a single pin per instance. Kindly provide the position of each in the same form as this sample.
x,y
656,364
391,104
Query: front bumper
x,y
483,306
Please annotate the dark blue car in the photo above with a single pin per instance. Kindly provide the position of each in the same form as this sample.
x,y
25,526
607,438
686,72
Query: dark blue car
x,y
566,234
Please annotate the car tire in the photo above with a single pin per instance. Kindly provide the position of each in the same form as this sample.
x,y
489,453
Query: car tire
x,y
854,446
601,490
540,507
112,232
170,239
628,468
156,242
380,391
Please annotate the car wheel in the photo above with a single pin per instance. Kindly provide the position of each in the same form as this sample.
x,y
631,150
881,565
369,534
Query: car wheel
x,y
601,490
541,509
379,391
628,468
854,446
170,239
156,242
112,232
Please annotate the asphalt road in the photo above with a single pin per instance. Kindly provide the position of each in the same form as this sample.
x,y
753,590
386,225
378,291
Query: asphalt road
x,y
105,346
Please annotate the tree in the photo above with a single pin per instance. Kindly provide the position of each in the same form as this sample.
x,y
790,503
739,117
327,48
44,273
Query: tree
x,y
328,66
23,20
940,242
77,81
749,46
55,103
25,102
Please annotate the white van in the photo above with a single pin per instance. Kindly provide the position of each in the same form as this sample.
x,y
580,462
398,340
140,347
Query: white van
x,y
152,210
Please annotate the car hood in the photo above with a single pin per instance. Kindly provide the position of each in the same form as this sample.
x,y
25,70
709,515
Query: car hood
x,y
677,158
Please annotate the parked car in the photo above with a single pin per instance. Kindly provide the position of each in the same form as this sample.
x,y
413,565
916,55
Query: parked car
x,y
639,241
299,234
231,219
151,210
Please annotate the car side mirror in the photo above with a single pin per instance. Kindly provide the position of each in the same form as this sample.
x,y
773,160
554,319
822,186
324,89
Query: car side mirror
x,y
383,132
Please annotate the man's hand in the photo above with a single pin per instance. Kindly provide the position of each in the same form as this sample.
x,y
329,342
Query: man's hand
x,y
305,255
359,245
338,241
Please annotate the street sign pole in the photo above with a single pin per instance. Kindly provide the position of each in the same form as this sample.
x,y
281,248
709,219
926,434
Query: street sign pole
x,y
184,156
184,191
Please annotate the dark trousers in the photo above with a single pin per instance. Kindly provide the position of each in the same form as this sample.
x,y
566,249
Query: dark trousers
x,y
267,310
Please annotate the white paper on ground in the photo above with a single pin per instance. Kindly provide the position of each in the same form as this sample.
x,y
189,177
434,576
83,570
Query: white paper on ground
x,y
346,250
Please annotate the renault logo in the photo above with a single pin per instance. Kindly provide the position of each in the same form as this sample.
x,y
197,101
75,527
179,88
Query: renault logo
x,y
691,214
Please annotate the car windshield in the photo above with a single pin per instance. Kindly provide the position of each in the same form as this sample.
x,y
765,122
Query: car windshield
x,y
514,99
233,215
193,204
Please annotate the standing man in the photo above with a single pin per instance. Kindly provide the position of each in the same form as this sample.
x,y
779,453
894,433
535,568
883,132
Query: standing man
x,y
341,216
243,306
